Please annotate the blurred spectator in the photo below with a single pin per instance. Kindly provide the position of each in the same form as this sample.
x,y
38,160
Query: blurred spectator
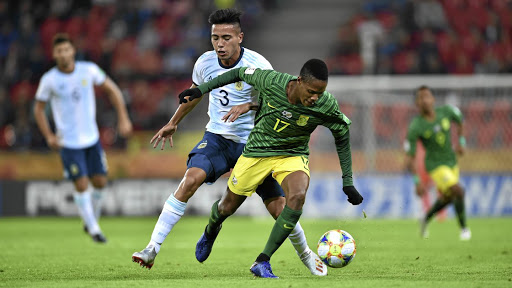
x,y
427,36
370,32
428,54
6,111
429,14
141,43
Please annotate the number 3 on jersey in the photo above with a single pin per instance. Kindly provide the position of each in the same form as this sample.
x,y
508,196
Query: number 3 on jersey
x,y
225,97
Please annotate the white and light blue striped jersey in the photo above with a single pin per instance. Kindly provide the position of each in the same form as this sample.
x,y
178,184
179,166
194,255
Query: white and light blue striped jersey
x,y
73,103
221,100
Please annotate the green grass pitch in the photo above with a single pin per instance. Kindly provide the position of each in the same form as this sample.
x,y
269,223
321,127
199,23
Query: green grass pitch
x,y
54,252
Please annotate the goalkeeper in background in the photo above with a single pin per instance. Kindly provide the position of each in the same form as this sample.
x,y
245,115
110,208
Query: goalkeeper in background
x,y
432,128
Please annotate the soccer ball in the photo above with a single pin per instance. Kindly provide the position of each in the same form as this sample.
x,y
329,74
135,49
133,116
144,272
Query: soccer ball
x,y
336,248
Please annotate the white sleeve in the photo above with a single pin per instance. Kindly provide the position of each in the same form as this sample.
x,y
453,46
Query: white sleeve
x,y
266,65
44,89
197,76
98,75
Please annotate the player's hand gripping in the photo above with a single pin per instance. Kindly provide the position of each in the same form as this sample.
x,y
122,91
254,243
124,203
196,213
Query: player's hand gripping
x,y
353,196
164,134
236,111
192,94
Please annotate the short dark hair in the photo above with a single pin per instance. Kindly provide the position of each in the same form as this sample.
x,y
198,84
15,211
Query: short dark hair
x,y
314,69
421,88
225,16
61,38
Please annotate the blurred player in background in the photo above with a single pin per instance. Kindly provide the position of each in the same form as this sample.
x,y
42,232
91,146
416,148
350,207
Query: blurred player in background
x,y
290,110
70,89
432,128
426,181
223,141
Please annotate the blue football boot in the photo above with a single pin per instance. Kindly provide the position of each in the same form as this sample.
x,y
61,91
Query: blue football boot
x,y
262,269
205,244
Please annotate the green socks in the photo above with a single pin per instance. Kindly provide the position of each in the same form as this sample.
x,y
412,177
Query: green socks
x,y
215,221
438,206
282,228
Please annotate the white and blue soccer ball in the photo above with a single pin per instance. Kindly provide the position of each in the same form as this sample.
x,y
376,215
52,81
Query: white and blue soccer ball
x,y
336,248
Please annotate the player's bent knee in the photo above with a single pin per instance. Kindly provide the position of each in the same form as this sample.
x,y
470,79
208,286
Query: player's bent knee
x,y
457,191
81,184
275,206
296,201
99,181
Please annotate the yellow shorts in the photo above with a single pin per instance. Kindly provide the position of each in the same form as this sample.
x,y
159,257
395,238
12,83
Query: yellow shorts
x,y
445,177
249,173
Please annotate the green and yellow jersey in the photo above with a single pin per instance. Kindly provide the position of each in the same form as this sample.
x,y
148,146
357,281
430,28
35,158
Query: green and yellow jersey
x,y
435,136
282,128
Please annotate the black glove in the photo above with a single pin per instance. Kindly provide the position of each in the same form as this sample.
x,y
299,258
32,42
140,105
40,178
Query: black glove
x,y
193,93
353,196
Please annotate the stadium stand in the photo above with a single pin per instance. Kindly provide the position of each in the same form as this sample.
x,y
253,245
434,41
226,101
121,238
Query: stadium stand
x,y
148,47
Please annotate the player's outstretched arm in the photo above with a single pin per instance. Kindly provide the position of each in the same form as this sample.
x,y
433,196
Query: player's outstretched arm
x,y
460,147
229,77
164,134
44,126
409,166
116,98
185,107
238,110
353,195
345,156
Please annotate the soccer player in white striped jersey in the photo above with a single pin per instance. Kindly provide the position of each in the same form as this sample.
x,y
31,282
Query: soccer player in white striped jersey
x,y
223,141
70,89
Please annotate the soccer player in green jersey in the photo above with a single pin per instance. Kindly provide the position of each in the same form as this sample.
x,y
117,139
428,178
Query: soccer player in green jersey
x,y
432,128
290,109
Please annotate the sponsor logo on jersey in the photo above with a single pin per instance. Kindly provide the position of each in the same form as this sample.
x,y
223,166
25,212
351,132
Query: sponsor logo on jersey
x,y
84,82
250,71
303,120
287,114
234,180
445,123
202,144
239,86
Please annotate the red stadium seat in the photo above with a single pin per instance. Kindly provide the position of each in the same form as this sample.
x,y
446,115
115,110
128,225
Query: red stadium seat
x,y
47,30
352,64
401,114
474,115
74,27
481,126
446,48
382,122
502,117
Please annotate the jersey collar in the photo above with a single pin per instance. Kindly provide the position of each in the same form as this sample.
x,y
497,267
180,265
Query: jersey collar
x,y
234,64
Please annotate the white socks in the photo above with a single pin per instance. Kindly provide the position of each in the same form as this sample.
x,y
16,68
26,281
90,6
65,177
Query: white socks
x,y
171,214
83,201
298,239
97,199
